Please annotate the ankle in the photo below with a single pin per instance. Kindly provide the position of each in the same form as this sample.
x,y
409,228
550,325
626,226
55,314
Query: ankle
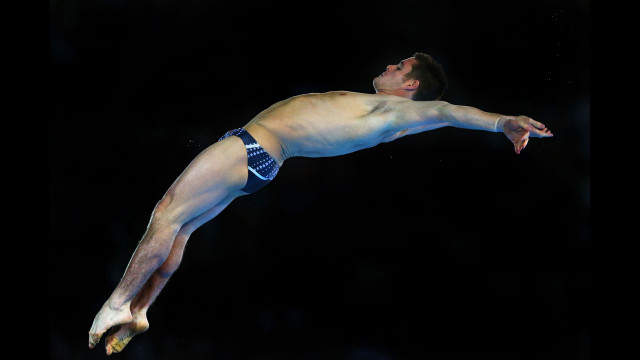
x,y
138,311
117,305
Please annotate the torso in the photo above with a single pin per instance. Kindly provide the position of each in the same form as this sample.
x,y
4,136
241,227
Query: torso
x,y
324,124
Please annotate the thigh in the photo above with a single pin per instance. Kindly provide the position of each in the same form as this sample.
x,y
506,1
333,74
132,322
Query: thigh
x,y
219,172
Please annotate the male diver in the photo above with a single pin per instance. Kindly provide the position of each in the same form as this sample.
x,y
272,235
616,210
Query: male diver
x,y
406,101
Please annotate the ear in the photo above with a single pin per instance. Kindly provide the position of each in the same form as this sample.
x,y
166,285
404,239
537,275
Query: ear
x,y
411,84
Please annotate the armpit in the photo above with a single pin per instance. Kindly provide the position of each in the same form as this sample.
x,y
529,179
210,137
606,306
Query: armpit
x,y
382,107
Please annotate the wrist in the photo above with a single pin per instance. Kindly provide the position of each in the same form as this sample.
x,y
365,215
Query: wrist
x,y
499,125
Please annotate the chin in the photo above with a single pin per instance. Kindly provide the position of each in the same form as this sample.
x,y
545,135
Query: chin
x,y
375,82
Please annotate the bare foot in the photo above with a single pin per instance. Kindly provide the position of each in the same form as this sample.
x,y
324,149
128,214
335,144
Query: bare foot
x,y
107,318
120,336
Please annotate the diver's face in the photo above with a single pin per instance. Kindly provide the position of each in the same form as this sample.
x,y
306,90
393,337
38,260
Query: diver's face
x,y
393,77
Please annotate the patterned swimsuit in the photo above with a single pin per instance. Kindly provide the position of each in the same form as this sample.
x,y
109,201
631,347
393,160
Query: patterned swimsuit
x,y
262,167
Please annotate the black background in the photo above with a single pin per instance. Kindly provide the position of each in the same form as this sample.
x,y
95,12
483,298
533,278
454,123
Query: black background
x,y
440,245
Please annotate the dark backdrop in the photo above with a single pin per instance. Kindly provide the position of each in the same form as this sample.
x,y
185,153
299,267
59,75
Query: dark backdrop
x,y
441,245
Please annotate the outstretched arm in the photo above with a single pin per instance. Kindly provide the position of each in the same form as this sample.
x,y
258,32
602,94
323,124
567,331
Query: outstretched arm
x,y
418,116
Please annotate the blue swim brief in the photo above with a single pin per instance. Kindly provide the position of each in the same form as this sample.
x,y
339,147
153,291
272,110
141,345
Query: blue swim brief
x,y
262,167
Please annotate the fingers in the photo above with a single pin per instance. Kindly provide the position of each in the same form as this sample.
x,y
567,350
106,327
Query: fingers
x,y
538,129
537,124
544,132
519,145
526,127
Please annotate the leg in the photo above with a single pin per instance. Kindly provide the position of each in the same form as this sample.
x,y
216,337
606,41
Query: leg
x,y
120,336
218,172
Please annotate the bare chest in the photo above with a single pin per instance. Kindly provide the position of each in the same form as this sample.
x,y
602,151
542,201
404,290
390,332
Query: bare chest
x,y
330,124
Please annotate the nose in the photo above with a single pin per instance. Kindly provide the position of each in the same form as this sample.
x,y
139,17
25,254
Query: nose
x,y
389,67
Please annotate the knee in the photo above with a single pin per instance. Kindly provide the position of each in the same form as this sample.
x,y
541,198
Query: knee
x,y
164,216
164,204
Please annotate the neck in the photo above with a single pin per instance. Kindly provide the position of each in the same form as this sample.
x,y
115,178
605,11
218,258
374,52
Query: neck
x,y
396,92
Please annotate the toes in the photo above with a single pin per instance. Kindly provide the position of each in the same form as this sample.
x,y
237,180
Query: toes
x,y
119,336
117,340
112,345
117,344
94,339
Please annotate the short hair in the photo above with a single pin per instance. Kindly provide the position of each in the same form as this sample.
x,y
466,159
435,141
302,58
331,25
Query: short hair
x,y
430,74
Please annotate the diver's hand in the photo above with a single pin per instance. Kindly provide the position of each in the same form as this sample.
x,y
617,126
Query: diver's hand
x,y
518,129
